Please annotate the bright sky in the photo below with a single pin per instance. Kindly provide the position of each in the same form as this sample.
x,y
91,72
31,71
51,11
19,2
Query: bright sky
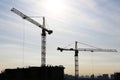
x,y
95,22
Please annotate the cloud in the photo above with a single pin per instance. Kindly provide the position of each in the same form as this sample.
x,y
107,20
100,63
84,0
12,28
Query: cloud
x,y
92,14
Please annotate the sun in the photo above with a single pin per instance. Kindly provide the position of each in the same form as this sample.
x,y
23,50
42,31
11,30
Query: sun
x,y
55,6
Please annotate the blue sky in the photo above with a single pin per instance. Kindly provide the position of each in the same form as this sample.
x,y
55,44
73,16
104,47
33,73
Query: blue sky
x,y
94,22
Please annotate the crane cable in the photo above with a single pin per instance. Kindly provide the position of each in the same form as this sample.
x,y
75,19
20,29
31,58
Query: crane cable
x,y
23,43
68,45
23,36
92,64
92,61
88,45
82,44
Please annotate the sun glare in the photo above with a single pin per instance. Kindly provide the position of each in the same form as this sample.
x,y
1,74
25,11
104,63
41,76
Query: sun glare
x,y
55,6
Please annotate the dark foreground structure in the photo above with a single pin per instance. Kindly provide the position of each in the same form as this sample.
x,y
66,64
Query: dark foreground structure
x,y
34,73
117,76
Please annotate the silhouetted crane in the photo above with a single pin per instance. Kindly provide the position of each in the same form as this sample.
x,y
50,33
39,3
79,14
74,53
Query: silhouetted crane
x,y
44,30
76,50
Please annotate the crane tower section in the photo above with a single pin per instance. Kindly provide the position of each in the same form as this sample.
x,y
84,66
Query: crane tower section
x,y
43,46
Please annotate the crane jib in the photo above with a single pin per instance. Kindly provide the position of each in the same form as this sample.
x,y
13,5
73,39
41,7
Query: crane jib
x,y
30,20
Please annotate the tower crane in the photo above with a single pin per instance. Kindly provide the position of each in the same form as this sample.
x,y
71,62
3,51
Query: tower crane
x,y
76,50
43,35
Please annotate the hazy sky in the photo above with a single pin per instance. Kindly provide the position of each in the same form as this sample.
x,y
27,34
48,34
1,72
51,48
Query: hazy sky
x,y
95,22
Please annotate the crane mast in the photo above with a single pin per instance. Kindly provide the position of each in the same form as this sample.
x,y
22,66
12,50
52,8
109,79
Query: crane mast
x,y
43,35
76,50
43,46
76,62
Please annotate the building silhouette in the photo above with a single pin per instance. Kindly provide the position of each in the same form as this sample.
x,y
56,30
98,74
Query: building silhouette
x,y
34,73
117,76
49,73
